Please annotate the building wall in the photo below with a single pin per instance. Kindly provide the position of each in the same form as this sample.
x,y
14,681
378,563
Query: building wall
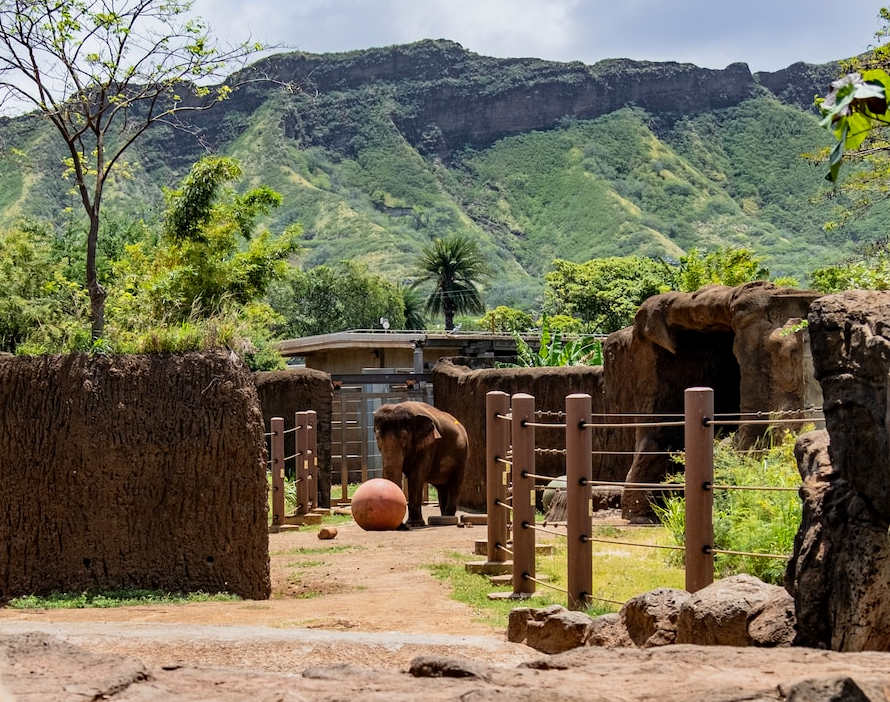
x,y
354,360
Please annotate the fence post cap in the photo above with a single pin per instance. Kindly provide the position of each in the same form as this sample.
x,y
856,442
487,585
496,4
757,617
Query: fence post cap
x,y
699,389
577,396
493,393
523,396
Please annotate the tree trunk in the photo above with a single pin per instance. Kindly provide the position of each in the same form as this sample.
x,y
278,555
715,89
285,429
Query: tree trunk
x,y
448,311
94,288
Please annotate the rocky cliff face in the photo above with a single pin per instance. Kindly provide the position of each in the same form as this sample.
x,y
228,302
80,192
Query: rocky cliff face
x,y
445,97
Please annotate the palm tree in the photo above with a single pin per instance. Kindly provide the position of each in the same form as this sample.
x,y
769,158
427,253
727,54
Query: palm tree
x,y
455,266
413,300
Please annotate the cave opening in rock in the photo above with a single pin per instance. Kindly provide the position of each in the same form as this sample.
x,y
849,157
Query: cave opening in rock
x,y
706,359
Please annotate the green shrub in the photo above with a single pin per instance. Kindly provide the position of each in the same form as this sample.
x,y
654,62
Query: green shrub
x,y
753,521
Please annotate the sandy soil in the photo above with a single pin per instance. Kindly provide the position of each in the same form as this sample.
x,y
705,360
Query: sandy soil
x,y
373,608
359,583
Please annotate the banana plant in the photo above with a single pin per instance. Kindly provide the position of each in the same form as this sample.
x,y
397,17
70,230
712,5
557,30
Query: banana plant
x,y
553,350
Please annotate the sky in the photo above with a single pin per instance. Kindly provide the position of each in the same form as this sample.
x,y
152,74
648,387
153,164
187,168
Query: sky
x,y
767,35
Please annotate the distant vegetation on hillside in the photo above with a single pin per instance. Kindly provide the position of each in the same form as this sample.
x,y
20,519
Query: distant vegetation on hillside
x,y
368,160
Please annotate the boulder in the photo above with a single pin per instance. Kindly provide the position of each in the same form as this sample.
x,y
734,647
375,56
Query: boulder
x,y
839,574
552,629
839,689
775,624
517,624
608,631
650,619
327,533
446,667
720,613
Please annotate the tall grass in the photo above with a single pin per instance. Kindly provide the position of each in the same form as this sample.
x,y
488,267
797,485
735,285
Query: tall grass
x,y
758,522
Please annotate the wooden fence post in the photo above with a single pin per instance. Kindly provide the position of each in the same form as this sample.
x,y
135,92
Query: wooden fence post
x,y
497,444
523,410
579,468
301,442
276,442
312,448
699,438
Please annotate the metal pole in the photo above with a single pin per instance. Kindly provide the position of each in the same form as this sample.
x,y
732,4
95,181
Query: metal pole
x,y
363,442
523,410
302,462
699,436
312,448
344,467
277,444
579,444
497,442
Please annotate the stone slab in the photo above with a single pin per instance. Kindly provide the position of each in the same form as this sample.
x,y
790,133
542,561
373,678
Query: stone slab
x,y
489,567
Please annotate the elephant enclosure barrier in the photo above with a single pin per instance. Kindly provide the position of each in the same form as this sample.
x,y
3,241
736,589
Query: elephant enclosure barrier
x,y
512,484
305,461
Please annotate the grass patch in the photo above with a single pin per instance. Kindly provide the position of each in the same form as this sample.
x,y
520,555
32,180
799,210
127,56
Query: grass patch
x,y
306,564
115,598
307,550
757,522
328,520
619,573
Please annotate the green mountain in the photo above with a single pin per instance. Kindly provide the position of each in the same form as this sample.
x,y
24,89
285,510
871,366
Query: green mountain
x,y
379,151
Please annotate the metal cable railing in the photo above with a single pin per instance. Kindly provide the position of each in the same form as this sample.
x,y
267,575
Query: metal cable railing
x,y
510,432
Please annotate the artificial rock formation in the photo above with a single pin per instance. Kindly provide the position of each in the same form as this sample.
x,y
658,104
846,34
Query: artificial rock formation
x,y
840,572
131,471
461,392
744,342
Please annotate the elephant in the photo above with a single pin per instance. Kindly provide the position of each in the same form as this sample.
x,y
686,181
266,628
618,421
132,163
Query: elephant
x,y
425,444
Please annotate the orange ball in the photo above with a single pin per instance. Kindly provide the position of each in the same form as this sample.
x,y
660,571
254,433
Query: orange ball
x,y
379,505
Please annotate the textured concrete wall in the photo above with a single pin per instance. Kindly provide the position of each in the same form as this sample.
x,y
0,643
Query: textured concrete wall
x,y
282,393
131,471
461,392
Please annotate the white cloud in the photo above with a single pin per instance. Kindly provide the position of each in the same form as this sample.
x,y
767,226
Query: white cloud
x,y
768,34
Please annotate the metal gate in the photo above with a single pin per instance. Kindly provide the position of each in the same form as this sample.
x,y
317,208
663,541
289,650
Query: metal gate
x,y
354,454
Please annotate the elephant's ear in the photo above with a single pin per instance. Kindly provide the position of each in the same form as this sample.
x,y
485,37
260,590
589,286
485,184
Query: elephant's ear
x,y
426,433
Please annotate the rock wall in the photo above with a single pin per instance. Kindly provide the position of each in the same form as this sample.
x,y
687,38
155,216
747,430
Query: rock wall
x,y
840,572
131,471
282,393
740,341
461,392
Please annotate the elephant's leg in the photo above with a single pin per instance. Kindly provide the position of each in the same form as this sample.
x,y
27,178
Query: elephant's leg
x,y
415,500
442,492
450,492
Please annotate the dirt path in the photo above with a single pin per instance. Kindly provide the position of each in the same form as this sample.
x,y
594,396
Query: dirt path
x,y
360,583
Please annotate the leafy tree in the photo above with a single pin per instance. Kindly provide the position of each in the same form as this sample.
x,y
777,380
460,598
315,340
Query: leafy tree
x,y
562,324
102,72
604,292
856,109
201,283
726,266
328,299
506,319
872,272
199,264
413,302
35,295
455,266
